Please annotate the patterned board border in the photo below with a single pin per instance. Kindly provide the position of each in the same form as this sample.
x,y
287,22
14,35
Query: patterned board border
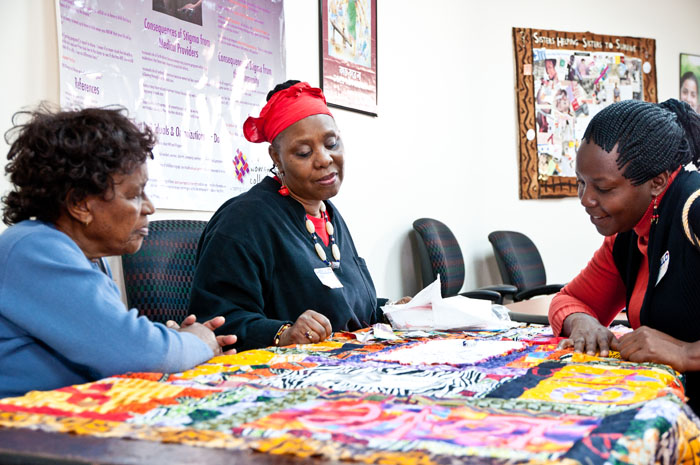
x,y
531,187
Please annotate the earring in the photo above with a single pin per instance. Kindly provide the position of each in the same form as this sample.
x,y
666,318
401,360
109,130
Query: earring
x,y
284,190
655,213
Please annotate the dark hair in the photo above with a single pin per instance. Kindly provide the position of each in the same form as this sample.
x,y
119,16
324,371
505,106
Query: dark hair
x,y
59,152
282,86
651,138
689,75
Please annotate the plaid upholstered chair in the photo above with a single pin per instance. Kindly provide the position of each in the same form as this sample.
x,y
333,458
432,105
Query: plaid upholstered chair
x,y
520,264
158,277
439,252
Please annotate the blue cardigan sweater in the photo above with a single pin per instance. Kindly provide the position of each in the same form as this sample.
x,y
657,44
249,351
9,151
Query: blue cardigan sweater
x,y
62,321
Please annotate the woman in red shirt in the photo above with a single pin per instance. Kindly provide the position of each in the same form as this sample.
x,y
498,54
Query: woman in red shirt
x,y
632,184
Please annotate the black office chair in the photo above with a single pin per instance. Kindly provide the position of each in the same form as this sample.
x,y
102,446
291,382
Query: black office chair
x,y
439,253
158,278
520,264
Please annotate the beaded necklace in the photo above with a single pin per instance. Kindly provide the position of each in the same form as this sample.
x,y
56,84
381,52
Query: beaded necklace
x,y
335,250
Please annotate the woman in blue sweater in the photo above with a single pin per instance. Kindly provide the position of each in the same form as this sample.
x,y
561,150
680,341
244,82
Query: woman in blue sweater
x,y
78,195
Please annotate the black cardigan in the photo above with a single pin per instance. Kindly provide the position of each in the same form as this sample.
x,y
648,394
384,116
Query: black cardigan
x,y
255,266
673,305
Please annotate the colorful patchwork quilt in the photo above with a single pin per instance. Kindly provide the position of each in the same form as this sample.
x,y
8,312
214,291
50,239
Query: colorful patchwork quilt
x,y
424,398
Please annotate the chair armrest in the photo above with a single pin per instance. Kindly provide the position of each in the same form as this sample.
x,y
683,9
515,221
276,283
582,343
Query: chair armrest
x,y
504,289
528,318
538,290
484,294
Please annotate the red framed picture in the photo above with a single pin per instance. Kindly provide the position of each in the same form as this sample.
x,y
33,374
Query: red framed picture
x,y
349,54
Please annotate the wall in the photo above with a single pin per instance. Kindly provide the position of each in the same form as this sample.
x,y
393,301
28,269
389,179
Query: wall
x,y
444,143
30,52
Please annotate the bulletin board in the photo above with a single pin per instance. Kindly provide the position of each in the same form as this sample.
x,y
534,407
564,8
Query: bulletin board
x,y
562,80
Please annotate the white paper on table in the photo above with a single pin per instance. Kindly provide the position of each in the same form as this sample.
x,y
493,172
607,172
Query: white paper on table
x,y
461,312
428,310
383,331
418,313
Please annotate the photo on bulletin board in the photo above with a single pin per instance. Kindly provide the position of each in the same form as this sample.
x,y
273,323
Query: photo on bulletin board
x,y
563,79
690,75
348,32
185,10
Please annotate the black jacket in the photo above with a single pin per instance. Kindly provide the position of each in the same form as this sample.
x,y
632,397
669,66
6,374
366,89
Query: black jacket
x,y
255,266
673,304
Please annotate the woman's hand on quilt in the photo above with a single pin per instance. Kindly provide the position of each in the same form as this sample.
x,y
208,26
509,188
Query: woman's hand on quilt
x,y
645,344
190,325
310,327
189,319
212,324
586,334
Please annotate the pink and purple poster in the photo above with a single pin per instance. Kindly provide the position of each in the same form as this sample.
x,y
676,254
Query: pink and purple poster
x,y
191,70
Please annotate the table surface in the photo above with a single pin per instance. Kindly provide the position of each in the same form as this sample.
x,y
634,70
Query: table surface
x,y
24,447
535,310
425,397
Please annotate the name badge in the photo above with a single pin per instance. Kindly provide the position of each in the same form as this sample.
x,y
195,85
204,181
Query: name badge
x,y
663,268
328,278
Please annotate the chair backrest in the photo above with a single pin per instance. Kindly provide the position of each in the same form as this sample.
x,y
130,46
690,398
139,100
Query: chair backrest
x,y
519,261
158,278
439,253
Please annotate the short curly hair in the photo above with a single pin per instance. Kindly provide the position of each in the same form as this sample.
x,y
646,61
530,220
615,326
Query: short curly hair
x,y
59,153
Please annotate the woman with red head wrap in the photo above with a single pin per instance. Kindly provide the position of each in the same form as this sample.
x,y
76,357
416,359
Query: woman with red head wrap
x,y
278,261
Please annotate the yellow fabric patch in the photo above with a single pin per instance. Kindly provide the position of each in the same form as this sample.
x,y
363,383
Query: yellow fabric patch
x,y
595,384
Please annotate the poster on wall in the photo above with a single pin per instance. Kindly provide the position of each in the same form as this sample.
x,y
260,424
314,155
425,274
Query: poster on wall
x,y
690,74
563,80
349,54
192,71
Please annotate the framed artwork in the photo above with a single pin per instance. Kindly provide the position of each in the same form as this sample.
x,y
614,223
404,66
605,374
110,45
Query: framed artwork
x,y
690,75
562,80
349,54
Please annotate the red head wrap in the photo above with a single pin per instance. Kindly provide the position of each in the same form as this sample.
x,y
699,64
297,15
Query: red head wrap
x,y
285,108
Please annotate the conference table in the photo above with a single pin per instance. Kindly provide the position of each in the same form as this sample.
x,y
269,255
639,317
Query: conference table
x,y
535,310
373,396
